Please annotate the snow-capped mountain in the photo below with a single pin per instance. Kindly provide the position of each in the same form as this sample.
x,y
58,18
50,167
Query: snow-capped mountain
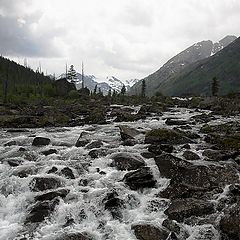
x,y
105,84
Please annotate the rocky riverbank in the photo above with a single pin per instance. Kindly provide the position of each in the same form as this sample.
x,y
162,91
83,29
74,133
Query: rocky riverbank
x,y
149,172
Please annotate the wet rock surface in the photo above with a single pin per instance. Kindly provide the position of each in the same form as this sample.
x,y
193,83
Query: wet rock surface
x,y
149,232
184,208
126,161
139,179
144,178
40,141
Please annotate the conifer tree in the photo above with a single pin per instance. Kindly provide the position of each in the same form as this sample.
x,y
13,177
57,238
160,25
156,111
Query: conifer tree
x,y
72,74
215,87
123,90
95,90
143,92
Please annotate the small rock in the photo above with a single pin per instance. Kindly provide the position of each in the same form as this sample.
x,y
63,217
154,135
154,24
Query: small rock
x,y
148,155
11,143
186,146
189,155
21,149
40,141
52,170
15,162
159,148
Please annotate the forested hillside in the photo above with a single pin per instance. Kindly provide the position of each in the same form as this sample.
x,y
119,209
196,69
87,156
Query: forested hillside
x,y
19,83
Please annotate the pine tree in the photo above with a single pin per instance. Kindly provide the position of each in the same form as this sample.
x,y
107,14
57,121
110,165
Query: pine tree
x,y
72,75
109,92
215,87
123,90
95,90
143,93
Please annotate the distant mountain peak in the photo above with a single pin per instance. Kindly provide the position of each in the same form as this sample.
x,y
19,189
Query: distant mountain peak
x,y
110,82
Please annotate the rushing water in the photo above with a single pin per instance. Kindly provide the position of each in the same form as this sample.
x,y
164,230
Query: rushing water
x,y
94,178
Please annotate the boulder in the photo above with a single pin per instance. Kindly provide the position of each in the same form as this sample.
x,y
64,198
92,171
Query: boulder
x,y
166,136
52,170
122,116
15,162
202,118
175,227
141,178
148,155
94,144
128,132
52,194
219,155
159,148
204,176
206,231
189,155
149,232
41,210
114,205
230,222
169,165
10,143
172,122
127,161
67,172
180,209
74,236
24,171
82,140
180,189
49,152
40,141
96,153
44,183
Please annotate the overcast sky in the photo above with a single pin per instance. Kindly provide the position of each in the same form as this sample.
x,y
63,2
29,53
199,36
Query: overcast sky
x,y
124,38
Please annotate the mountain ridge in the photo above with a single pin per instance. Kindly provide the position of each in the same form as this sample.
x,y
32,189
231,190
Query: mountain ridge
x,y
176,64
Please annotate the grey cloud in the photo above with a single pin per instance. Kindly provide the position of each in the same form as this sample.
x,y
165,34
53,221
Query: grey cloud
x,y
18,40
136,14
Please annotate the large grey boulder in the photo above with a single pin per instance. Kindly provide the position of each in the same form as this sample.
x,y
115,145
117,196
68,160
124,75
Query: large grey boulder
x,y
185,208
127,161
40,141
139,179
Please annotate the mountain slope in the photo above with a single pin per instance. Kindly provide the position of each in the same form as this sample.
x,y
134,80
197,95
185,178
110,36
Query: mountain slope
x,y
175,65
196,79
18,82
